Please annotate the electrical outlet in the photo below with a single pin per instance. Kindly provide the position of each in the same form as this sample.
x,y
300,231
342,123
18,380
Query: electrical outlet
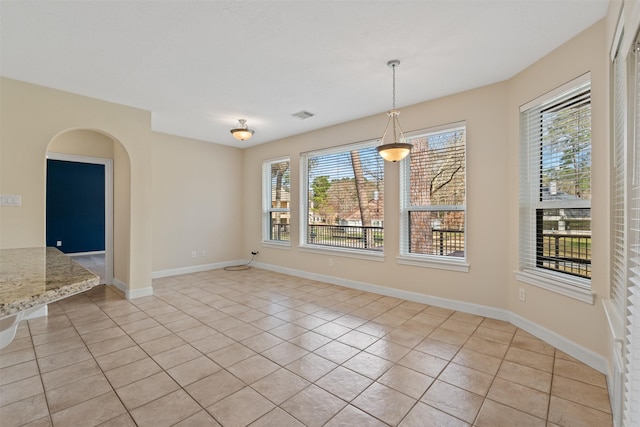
x,y
330,261
194,254
59,243
204,253
522,295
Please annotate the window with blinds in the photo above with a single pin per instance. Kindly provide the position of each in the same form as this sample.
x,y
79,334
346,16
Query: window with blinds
x,y
433,189
276,196
344,206
555,184
619,170
632,335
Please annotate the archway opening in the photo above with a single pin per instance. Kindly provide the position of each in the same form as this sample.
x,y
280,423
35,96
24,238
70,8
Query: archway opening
x,y
86,147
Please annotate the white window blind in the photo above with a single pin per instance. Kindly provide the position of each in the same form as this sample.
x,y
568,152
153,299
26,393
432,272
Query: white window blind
x,y
343,188
632,341
433,188
276,196
618,261
555,184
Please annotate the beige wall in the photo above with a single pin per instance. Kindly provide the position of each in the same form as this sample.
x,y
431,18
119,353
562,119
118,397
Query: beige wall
x,y
31,117
197,202
492,116
83,142
580,322
121,224
483,109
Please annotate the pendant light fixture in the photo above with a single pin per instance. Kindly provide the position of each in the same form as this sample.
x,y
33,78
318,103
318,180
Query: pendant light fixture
x,y
242,132
395,150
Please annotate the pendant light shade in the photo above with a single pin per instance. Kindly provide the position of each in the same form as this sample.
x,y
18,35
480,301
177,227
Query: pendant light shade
x,y
242,132
398,149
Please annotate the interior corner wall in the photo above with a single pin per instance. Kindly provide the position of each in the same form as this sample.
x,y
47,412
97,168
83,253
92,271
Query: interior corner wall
x,y
583,323
31,117
196,203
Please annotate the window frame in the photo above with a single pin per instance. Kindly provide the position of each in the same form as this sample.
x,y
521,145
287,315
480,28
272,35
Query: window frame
x,y
562,283
305,246
427,260
267,199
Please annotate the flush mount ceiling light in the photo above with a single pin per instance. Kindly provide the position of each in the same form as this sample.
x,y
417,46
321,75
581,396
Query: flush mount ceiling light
x,y
395,150
242,132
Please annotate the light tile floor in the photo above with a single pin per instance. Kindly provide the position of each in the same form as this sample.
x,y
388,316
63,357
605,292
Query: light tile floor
x,y
265,349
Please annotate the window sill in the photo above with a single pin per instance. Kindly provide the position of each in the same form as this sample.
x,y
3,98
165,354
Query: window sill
x,y
442,263
366,255
276,245
569,287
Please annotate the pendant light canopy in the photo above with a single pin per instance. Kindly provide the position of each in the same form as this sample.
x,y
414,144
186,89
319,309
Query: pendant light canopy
x,y
399,148
242,132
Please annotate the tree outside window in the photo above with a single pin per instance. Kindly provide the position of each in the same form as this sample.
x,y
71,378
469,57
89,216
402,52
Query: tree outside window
x,y
434,191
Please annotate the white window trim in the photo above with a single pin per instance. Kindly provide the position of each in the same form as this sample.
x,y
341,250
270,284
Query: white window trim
x,y
556,282
276,244
423,260
433,261
342,252
266,203
564,284
556,92
304,206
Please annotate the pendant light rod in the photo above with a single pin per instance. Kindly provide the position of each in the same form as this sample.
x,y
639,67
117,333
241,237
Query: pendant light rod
x,y
393,64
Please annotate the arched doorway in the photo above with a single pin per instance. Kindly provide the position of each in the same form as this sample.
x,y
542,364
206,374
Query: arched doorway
x,y
76,149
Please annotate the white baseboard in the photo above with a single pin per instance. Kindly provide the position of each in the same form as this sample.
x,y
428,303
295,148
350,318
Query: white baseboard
x,y
196,268
481,310
583,354
86,253
573,349
134,293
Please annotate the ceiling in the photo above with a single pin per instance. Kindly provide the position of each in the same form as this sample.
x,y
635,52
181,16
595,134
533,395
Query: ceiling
x,y
199,66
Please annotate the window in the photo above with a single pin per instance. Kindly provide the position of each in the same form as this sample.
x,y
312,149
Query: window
x,y
619,187
343,202
433,190
632,342
555,190
276,178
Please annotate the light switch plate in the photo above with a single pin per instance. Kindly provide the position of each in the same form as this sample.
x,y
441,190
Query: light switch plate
x,y
10,200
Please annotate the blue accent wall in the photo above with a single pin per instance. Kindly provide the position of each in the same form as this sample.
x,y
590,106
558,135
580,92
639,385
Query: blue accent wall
x,y
75,206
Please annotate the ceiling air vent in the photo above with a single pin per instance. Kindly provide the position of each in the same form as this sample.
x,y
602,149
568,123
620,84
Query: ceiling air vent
x,y
302,115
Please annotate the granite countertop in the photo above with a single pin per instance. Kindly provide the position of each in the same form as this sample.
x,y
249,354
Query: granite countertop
x,y
32,277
